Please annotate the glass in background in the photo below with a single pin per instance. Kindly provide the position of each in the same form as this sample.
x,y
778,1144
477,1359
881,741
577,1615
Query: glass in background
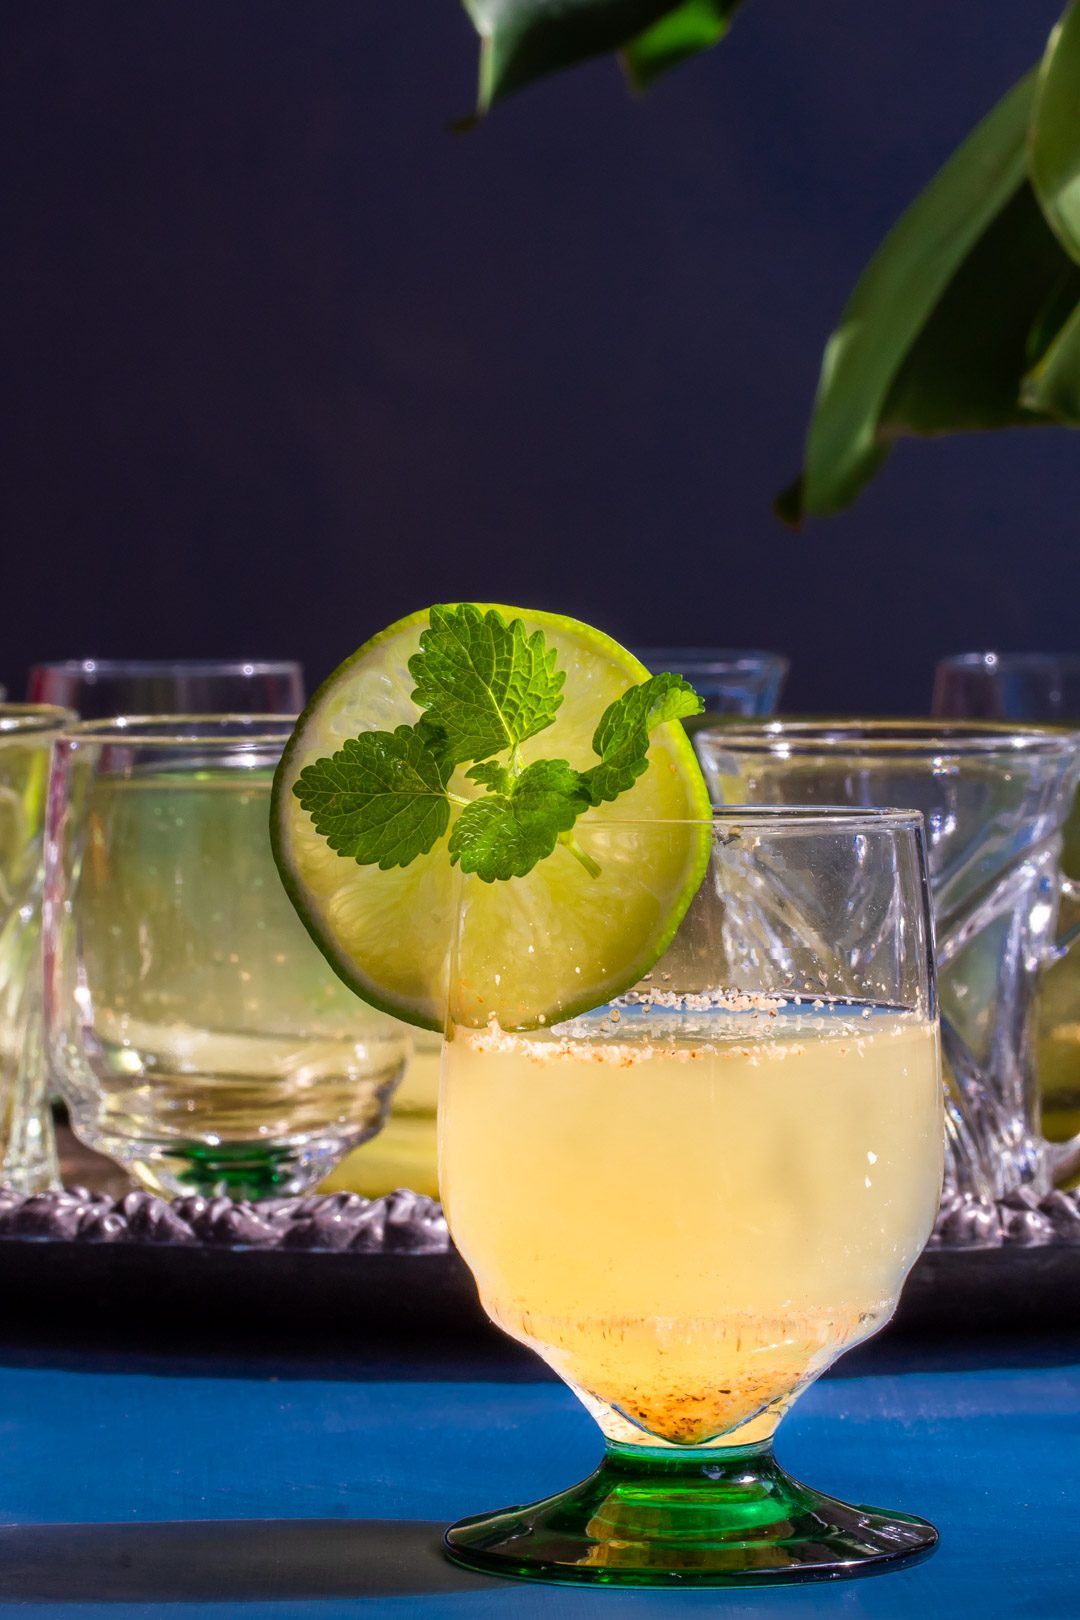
x,y
27,1149
692,1201
731,682
197,1033
1041,687
97,688
405,1152
995,798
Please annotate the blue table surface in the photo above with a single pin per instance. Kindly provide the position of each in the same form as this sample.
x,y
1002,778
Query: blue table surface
x,y
167,1491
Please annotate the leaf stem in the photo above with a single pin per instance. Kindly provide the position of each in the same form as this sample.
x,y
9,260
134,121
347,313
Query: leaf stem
x,y
455,798
571,843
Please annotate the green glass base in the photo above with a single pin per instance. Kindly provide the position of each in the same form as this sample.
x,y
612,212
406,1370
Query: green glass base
x,y
702,1518
226,1169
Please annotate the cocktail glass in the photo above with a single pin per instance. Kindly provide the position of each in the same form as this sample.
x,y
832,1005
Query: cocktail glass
x,y
27,1150
692,1200
198,1035
97,688
1041,687
729,681
995,798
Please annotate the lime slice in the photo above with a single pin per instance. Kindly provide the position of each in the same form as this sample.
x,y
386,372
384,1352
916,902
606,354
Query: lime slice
x,y
425,943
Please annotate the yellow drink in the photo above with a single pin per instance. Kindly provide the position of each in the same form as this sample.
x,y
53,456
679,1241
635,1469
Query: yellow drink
x,y
692,1221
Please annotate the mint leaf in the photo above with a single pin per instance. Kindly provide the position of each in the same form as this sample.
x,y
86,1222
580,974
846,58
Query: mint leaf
x,y
506,834
492,775
622,737
485,682
381,798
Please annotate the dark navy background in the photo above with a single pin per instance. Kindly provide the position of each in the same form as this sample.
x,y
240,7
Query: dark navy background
x,y
283,359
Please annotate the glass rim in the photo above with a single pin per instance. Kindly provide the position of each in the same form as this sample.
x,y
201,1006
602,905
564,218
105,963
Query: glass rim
x,y
171,730
782,817
713,660
168,666
891,738
991,662
22,719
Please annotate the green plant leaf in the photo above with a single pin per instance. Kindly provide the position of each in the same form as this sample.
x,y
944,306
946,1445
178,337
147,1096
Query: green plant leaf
x,y
506,834
522,40
493,776
1055,131
693,26
1053,386
1001,310
621,740
896,297
381,798
484,683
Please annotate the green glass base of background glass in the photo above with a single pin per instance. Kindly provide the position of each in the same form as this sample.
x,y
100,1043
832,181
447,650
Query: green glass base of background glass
x,y
225,1169
700,1518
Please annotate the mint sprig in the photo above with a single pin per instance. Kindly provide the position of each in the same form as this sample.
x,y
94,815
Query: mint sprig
x,y
485,687
381,798
488,685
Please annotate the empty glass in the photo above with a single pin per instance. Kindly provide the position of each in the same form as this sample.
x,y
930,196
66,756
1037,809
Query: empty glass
x,y
99,687
27,1152
198,1034
995,799
1008,686
730,682
692,1200
1033,686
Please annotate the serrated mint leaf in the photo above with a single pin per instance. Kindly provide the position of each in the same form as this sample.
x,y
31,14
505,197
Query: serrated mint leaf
x,y
381,798
492,775
485,682
622,737
506,834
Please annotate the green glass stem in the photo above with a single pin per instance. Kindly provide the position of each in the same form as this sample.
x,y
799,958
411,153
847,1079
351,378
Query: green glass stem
x,y
649,1517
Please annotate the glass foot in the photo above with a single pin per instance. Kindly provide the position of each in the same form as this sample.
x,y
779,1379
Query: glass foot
x,y
708,1518
227,1169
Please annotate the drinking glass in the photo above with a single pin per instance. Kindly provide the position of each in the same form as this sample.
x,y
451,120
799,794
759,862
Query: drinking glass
x,y
730,682
1041,687
995,800
1008,686
198,1035
27,1150
405,1152
692,1200
97,688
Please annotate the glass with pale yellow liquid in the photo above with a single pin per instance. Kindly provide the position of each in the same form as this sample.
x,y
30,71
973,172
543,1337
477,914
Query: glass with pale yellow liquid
x,y
200,1037
691,1200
